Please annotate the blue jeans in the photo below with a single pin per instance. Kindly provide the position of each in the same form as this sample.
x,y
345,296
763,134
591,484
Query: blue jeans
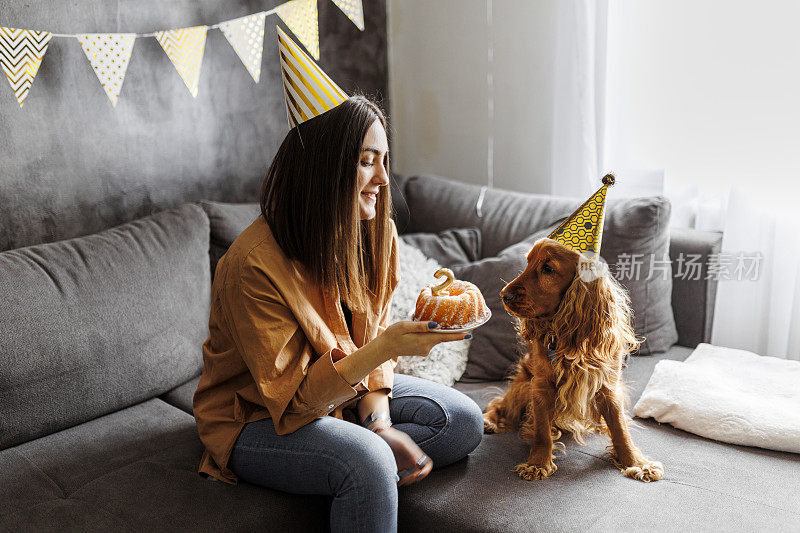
x,y
333,457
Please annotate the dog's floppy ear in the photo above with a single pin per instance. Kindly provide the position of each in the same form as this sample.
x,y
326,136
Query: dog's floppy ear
x,y
595,319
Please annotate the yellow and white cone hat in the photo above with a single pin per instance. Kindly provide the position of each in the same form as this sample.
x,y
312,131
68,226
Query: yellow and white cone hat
x,y
583,230
309,91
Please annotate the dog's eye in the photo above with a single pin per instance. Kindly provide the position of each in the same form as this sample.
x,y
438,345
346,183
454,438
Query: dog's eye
x,y
547,269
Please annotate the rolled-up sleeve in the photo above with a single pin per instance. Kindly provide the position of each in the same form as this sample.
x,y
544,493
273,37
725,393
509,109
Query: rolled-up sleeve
x,y
294,384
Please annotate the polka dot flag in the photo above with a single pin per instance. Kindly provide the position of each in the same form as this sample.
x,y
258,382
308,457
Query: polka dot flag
x,y
246,35
302,17
354,11
583,230
109,54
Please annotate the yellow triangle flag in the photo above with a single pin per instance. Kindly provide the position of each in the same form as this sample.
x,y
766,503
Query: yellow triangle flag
x,y
308,90
185,47
246,35
303,19
583,230
354,11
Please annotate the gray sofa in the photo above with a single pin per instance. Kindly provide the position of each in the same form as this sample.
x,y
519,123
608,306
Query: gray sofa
x,y
101,341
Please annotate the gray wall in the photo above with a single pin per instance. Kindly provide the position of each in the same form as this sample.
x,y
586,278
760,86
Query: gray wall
x,y
71,165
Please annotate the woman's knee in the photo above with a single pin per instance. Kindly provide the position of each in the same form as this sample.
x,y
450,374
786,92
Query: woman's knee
x,y
467,421
370,463
462,431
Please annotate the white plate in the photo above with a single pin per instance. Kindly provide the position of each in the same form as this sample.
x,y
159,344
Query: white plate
x,y
468,327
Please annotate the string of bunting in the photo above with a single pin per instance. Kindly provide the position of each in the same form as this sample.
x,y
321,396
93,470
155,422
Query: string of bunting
x,y
22,51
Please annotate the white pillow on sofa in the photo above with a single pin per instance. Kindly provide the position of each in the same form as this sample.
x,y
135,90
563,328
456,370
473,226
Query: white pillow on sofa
x,y
446,361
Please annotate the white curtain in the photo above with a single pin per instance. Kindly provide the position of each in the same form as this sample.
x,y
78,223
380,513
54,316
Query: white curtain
x,y
759,312
578,98
668,95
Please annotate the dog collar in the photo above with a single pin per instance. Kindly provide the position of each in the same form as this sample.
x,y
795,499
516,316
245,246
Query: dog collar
x,y
551,352
552,355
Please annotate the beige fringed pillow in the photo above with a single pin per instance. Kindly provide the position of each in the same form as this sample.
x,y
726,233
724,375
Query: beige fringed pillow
x,y
446,361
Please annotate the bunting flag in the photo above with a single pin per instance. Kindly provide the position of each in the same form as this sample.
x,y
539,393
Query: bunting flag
x,y
303,19
109,54
308,90
354,11
185,47
21,53
246,35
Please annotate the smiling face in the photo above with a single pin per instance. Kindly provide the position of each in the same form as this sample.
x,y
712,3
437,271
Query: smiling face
x,y
537,292
372,165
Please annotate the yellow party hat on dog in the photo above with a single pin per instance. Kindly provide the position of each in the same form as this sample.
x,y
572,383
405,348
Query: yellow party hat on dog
x,y
583,230
308,90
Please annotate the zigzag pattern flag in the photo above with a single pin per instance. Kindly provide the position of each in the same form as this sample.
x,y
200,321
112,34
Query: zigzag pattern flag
x,y
109,54
246,35
185,47
354,11
303,19
21,53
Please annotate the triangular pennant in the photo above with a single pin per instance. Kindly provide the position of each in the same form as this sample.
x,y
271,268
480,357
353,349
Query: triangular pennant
x,y
21,53
109,54
185,47
583,230
354,11
302,18
246,35
308,90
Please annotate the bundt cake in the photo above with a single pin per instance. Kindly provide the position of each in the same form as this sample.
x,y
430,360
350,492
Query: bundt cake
x,y
453,303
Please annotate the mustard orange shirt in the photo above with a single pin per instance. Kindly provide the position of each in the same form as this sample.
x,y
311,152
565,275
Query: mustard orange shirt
x,y
273,338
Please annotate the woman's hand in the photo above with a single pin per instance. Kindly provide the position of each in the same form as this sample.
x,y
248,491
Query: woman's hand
x,y
409,337
407,454
406,337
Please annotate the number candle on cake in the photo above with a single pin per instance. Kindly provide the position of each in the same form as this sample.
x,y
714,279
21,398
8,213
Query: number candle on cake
x,y
454,303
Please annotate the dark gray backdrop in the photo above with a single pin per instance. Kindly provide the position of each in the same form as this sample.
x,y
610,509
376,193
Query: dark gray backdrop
x,y
71,164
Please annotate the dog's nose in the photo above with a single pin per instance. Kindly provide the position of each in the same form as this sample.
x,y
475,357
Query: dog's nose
x,y
508,296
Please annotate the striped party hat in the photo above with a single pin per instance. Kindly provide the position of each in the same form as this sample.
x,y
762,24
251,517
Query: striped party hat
x,y
583,230
309,91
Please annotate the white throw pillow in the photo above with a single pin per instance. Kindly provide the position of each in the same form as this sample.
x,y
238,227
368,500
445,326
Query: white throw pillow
x,y
446,361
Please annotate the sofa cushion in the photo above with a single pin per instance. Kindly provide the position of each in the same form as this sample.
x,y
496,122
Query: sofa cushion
x,y
226,221
450,247
136,470
438,203
707,486
182,396
495,346
154,483
706,483
635,240
97,323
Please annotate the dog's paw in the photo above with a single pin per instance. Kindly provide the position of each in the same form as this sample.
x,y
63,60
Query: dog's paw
x,y
535,472
645,471
492,425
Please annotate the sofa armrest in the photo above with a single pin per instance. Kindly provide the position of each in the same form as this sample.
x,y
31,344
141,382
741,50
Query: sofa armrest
x,y
693,295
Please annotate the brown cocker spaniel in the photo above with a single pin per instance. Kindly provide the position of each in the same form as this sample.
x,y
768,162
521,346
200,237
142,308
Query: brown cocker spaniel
x,y
582,314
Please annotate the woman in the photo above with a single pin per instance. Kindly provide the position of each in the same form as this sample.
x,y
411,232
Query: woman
x,y
299,329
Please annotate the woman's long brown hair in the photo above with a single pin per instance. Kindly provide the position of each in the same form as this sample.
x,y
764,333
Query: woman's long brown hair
x,y
309,199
